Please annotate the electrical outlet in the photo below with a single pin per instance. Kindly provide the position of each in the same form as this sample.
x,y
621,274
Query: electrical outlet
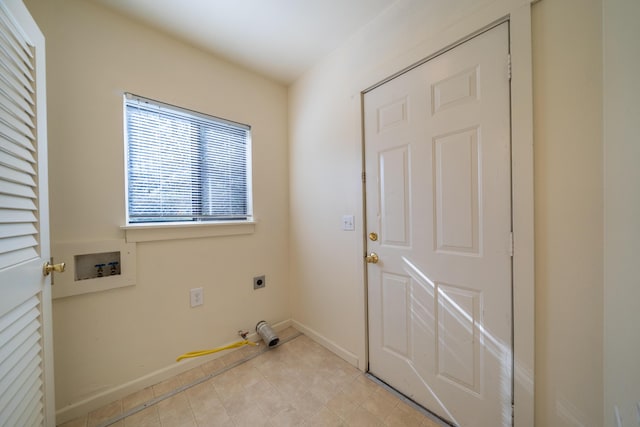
x,y
197,297
259,282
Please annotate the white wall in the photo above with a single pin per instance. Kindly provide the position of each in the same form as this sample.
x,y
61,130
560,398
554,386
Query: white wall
x,y
103,341
622,210
567,71
325,162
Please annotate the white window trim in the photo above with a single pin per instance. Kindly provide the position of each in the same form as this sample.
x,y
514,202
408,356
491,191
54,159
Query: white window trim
x,y
150,232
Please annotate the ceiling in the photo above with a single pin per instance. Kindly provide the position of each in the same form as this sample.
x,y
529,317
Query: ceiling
x,y
278,38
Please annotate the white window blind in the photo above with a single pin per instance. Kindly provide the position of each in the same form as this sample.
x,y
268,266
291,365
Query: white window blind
x,y
185,166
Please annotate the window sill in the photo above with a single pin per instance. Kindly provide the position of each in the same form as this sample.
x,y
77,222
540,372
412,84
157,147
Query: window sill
x,y
171,231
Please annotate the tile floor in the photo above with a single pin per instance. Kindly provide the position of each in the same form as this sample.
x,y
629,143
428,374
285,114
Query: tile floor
x,y
298,383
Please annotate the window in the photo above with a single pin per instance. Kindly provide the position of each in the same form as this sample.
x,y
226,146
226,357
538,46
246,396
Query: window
x,y
184,166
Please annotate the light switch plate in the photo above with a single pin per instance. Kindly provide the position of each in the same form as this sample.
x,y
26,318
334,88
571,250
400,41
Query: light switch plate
x,y
197,297
348,223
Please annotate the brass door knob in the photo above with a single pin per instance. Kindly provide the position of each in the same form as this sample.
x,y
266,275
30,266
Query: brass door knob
x,y
372,258
49,268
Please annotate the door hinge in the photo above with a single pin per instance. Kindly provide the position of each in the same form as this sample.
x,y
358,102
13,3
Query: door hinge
x,y
364,177
511,243
509,66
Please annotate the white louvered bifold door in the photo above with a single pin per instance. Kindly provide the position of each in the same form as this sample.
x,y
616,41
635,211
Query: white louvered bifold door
x,y
26,386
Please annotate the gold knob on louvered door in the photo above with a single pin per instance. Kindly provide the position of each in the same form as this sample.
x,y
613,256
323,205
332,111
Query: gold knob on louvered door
x,y
372,258
49,268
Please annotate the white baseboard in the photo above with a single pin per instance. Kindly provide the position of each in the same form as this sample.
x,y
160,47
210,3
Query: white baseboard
x,y
328,344
83,407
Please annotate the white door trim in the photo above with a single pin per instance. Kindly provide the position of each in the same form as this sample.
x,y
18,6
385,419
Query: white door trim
x,y
519,17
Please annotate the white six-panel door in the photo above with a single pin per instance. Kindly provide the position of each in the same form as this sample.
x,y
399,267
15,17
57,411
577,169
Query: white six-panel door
x,y
437,160
26,380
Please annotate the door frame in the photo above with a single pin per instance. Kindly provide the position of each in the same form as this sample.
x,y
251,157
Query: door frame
x,y
518,14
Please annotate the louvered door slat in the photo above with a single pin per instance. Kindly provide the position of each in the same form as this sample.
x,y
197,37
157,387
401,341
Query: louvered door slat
x,y
32,412
16,163
36,418
12,258
10,90
19,151
17,243
7,230
12,175
20,363
14,216
19,45
14,380
19,82
18,190
13,202
17,407
9,133
18,67
21,115
17,123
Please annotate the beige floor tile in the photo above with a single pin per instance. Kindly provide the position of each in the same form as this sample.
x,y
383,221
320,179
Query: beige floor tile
x,y
176,411
307,405
206,406
380,404
232,356
226,383
357,391
404,415
325,418
136,399
341,405
236,402
105,413
248,376
78,422
267,398
202,392
363,418
146,418
428,422
324,389
289,417
191,376
212,366
251,416
166,386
